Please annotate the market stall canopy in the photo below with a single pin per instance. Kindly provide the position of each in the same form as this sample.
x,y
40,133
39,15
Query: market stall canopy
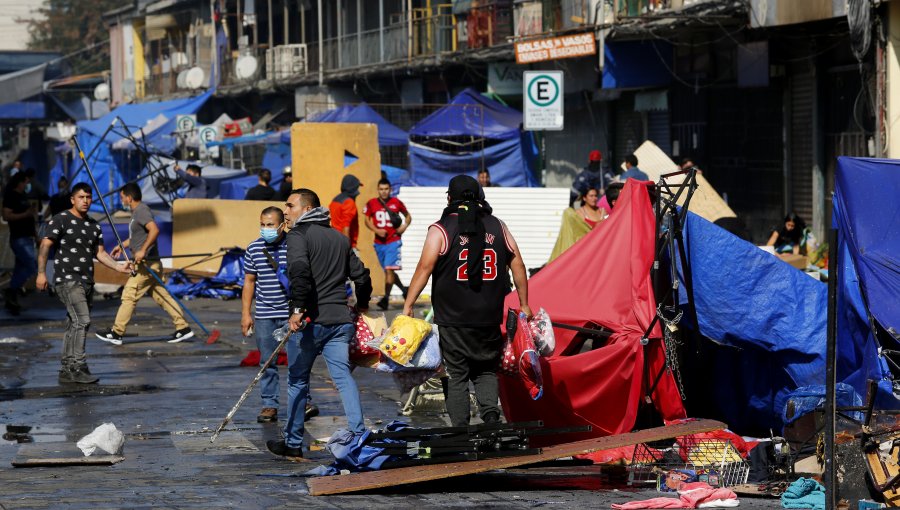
x,y
471,114
388,134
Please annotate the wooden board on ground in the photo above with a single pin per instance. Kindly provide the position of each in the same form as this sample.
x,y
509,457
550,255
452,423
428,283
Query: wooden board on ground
x,y
355,482
60,454
206,226
752,490
318,151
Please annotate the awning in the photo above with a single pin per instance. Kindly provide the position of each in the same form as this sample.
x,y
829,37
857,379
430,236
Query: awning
x,y
23,110
23,84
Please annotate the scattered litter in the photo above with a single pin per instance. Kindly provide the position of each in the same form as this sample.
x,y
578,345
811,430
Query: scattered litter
x,y
106,437
11,340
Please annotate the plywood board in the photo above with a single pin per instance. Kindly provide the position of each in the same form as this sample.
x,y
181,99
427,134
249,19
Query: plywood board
x,y
60,454
706,201
207,225
355,482
317,161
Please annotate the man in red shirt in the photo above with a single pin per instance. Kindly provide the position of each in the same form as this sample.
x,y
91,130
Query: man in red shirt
x,y
383,217
344,217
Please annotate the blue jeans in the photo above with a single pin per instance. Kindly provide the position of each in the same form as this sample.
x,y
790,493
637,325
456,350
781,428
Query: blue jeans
x,y
268,385
333,342
26,261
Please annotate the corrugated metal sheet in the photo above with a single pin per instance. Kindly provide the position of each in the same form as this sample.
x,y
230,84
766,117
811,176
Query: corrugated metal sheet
x,y
802,94
533,216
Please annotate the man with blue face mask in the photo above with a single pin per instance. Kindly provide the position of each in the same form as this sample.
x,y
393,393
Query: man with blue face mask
x,y
265,282
142,235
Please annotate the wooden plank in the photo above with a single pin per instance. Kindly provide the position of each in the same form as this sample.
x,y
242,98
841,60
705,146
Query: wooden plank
x,y
355,482
60,454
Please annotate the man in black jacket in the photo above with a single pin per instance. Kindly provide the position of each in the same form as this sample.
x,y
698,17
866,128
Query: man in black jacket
x,y
319,261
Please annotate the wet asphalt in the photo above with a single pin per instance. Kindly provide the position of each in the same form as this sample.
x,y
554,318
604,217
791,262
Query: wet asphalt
x,y
167,399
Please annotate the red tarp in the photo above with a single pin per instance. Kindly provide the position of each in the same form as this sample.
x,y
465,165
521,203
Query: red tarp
x,y
604,279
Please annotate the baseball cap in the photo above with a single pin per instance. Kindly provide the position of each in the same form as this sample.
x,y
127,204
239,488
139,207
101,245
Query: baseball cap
x,y
595,156
462,183
286,170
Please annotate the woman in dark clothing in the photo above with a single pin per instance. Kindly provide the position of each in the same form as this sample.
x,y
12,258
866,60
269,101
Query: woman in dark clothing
x,y
791,237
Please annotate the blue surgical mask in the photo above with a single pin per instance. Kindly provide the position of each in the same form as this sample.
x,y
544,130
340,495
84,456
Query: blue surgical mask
x,y
269,235
28,188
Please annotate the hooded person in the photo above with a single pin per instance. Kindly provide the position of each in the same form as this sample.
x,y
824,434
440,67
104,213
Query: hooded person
x,y
468,253
344,215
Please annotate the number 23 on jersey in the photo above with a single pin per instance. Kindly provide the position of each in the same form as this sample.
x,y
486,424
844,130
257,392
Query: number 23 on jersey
x,y
490,265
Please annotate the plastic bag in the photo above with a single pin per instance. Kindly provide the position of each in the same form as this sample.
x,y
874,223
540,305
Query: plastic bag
x,y
106,437
281,332
367,329
403,338
527,358
542,332
426,357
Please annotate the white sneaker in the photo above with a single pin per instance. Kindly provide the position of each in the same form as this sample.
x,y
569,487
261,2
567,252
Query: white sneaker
x,y
108,335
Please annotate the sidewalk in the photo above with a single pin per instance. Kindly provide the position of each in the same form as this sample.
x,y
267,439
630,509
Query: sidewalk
x,y
167,398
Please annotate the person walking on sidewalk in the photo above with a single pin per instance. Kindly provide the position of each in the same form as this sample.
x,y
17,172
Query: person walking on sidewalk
x,y
382,215
265,283
78,239
320,260
469,251
21,215
142,235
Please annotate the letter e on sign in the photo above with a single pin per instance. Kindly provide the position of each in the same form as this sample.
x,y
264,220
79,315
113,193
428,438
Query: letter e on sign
x,y
543,93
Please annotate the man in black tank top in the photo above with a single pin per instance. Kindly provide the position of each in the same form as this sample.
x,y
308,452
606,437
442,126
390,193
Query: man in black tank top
x,y
468,251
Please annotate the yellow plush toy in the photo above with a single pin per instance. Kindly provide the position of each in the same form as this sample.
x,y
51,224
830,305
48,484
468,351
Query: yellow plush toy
x,y
403,338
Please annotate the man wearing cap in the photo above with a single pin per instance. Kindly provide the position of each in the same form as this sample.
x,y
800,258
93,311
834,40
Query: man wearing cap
x,y
469,252
590,178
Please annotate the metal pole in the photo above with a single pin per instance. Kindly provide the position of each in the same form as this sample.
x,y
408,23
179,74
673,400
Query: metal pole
x,y
359,32
240,22
409,30
215,66
340,34
830,359
321,52
381,29
285,24
271,25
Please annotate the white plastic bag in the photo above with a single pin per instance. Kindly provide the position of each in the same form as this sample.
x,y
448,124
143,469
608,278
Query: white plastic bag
x,y
106,437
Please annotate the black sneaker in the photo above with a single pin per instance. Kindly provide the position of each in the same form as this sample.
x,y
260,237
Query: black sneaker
x,y
108,335
280,448
71,375
382,303
312,411
181,334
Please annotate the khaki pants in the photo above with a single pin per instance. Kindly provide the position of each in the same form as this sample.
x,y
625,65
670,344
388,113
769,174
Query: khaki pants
x,y
134,290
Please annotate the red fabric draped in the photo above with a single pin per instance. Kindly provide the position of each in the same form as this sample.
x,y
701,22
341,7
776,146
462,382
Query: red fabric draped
x,y
604,279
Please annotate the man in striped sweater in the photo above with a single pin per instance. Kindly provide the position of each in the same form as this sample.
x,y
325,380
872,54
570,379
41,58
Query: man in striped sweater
x,y
265,282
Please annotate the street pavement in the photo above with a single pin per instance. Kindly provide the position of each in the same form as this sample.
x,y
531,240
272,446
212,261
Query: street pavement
x,y
167,399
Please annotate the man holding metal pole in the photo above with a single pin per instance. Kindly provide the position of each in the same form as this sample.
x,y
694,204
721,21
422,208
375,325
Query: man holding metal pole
x,y
78,239
142,235
320,260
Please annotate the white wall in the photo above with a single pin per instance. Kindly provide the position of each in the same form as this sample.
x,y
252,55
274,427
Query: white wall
x,y
533,216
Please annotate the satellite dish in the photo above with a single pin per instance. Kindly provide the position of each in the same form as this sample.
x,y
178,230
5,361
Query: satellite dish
x,y
101,92
246,67
179,80
194,78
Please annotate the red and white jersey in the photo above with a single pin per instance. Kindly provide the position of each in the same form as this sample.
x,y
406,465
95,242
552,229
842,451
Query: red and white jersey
x,y
382,219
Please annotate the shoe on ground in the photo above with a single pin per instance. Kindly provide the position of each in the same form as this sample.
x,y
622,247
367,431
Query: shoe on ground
x,y
181,334
267,415
280,448
382,303
108,335
311,411
71,375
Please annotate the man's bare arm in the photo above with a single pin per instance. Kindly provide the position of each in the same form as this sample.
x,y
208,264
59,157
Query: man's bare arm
x,y
430,252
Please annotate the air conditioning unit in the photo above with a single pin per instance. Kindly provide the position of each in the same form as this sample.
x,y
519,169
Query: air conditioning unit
x,y
286,61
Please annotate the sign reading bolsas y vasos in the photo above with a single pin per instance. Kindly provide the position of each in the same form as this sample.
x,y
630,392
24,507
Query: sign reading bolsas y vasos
x,y
543,99
567,46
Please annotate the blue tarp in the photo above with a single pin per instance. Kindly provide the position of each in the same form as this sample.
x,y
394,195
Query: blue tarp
x,y
388,134
509,152
471,114
23,110
632,64
110,171
236,188
865,214
767,318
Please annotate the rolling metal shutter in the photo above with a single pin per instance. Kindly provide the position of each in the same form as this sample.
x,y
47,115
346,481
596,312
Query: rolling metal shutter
x,y
802,96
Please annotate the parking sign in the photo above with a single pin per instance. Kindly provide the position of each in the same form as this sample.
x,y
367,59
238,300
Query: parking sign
x,y
543,98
